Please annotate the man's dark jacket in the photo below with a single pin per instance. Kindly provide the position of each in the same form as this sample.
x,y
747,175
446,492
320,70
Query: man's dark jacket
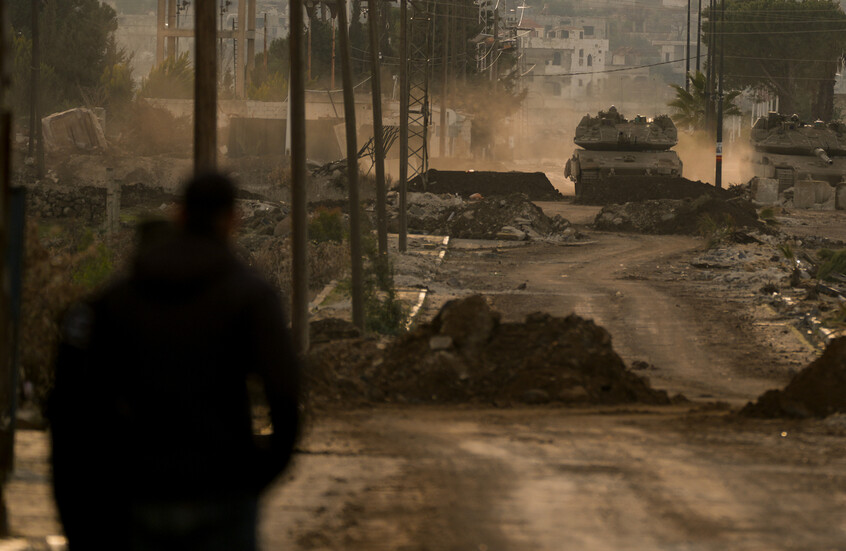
x,y
151,399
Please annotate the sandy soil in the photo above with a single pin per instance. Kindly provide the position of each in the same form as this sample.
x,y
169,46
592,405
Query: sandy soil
x,y
674,478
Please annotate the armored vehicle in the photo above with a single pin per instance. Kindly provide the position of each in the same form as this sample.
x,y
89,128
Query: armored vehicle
x,y
787,150
614,146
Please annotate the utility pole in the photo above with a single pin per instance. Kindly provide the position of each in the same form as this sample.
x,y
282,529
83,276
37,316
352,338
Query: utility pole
x,y
718,176
403,132
352,171
698,34
709,95
687,52
6,389
445,62
36,137
205,88
378,145
265,44
332,69
297,145
494,48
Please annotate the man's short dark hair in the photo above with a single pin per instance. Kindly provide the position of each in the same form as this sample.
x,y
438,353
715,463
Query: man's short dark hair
x,y
207,197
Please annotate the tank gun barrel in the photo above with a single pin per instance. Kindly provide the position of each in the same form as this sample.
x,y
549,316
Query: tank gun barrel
x,y
820,152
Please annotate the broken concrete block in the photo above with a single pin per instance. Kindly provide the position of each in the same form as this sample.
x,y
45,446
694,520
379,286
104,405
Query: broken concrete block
x,y
510,233
813,194
73,129
765,191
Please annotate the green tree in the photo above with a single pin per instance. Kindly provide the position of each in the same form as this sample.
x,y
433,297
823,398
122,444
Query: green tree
x,y
172,78
77,48
786,47
689,106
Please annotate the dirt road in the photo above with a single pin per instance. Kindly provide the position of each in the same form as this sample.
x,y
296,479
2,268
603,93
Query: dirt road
x,y
635,478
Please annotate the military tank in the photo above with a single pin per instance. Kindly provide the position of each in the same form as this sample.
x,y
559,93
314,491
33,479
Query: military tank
x,y
788,150
614,146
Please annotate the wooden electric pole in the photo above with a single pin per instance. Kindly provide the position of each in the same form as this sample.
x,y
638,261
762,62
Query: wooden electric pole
x,y
205,88
352,170
709,95
403,132
299,222
378,144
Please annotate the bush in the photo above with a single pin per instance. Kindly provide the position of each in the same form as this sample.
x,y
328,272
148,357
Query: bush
x,y
326,225
716,231
834,262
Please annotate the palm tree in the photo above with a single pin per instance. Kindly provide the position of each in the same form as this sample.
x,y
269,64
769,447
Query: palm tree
x,y
690,105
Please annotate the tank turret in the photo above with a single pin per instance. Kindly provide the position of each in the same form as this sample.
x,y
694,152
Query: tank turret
x,y
615,146
610,131
788,149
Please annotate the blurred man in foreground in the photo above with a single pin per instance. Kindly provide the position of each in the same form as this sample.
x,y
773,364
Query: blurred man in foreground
x,y
153,446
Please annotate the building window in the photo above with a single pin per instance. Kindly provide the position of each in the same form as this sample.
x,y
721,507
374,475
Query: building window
x,y
556,58
588,31
580,83
565,34
581,34
581,53
590,60
667,56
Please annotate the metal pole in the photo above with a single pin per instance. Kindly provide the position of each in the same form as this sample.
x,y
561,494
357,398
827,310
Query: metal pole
x,y
718,177
205,88
403,132
687,52
299,222
698,34
352,170
444,76
378,145
265,45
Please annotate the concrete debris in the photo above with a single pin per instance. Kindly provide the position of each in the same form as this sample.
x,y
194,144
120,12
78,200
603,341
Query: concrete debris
x,y
466,354
513,218
73,129
678,216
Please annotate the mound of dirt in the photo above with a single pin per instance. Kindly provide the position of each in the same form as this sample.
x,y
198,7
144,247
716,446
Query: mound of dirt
x,y
466,355
679,216
510,217
625,189
465,183
819,390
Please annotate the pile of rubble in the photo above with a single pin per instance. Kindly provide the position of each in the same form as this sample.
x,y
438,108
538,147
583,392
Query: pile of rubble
x,y
679,216
510,217
467,355
488,183
819,390
626,189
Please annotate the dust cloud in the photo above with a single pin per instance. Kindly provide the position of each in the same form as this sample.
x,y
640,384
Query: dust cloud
x,y
698,155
